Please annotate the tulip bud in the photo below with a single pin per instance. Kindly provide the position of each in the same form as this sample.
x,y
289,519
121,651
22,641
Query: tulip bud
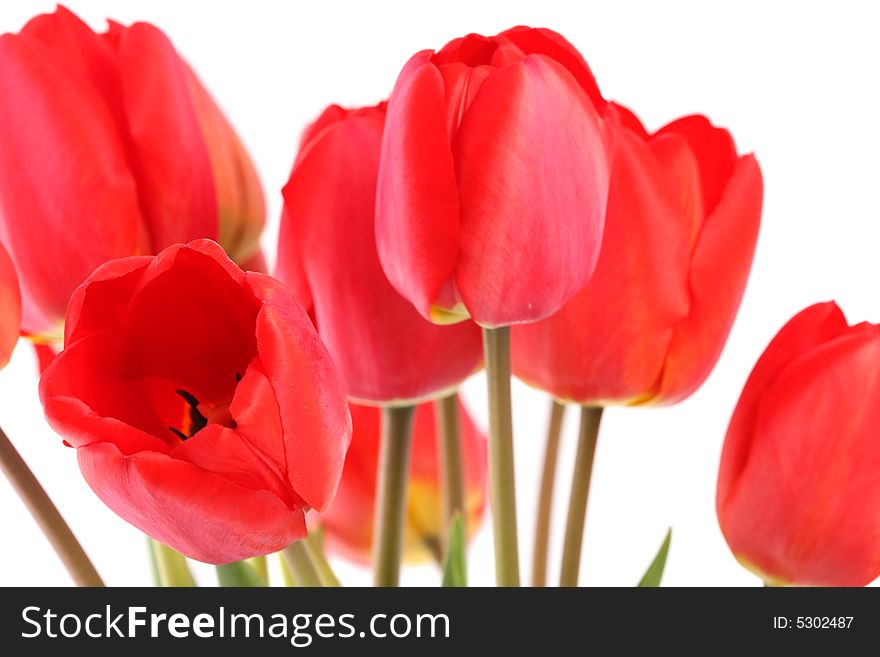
x,y
348,523
203,406
680,232
10,307
798,487
109,147
493,179
385,351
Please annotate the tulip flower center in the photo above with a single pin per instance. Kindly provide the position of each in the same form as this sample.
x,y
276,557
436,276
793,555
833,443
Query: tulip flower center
x,y
196,415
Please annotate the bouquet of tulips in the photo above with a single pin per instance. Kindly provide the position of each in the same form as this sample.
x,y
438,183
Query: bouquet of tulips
x,y
497,212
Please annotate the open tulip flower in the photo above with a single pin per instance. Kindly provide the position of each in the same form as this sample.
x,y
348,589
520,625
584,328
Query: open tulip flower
x,y
348,522
493,179
10,307
680,233
203,407
798,488
110,147
384,350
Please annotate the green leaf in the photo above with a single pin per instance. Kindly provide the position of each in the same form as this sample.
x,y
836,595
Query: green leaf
x,y
239,573
654,573
455,563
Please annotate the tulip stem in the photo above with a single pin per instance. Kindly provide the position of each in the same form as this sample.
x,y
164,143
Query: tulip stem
x,y
545,499
450,461
171,567
502,485
298,558
391,493
591,416
47,516
315,546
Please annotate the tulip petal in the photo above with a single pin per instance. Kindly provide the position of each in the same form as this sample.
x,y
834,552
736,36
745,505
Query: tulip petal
x,y
171,160
101,302
533,181
417,206
390,352
229,454
721,262
239,194
87,402
541,41
62,162
175,502
10,307
609,343
257,416
90,55
804,332
205,327
316,423
715,152
803,509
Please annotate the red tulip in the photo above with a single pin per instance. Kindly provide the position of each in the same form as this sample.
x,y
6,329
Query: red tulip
x,y
798,489
493,179
109,147
204,408
680,233
10,307
348,523
384,349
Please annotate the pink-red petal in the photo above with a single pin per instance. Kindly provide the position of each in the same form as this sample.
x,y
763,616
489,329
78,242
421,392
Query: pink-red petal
x,y
176,503
417,206
62,164
314,415
170,157
532,172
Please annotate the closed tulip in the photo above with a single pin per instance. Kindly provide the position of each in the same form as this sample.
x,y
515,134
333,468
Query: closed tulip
x,y
348,523
10,307
385,351
110,147
203,406
493,179
798,488
680,232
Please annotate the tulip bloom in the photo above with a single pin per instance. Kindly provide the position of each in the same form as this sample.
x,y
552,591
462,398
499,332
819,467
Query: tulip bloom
x,y
798,489
203,406
680,233
348,523
384,349
110,147
10,307
493,179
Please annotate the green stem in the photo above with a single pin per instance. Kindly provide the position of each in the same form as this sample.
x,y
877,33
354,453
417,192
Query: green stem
x,y
450,462
502,488
171,567
299,560
286,575
391,493
261,566
580,490
315,546
47,516
545,498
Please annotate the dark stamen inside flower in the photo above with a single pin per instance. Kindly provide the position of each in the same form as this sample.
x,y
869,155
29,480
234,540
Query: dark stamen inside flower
x,y
178,433
237,377
197,421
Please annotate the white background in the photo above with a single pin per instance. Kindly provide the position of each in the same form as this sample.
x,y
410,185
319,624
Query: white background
x,y
794,82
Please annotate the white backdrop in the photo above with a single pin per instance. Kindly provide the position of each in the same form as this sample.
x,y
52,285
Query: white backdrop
x,y
794,82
